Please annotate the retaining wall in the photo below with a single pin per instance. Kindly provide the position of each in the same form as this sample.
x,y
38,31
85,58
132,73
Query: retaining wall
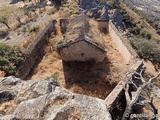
x,y
35,51
122,44
118,92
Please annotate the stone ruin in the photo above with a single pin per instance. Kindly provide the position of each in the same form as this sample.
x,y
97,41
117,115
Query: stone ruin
x,y
81,42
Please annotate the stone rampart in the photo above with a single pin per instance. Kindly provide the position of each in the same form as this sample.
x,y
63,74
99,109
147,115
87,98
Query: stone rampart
x,y
35,51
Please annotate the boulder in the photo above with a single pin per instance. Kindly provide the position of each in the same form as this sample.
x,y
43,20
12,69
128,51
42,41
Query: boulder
x,y
88,4
9,81
80,107
105,14
8,117
31,109
46,100
117,19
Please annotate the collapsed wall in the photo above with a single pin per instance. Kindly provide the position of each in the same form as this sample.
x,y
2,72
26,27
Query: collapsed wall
x,y
35,51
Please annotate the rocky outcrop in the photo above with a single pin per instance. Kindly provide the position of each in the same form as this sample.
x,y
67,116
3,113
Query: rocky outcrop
x,y
117,19
105,14
100,11
46,100
88,4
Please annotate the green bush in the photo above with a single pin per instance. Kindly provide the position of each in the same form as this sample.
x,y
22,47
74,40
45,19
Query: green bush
x,y
10,59
143,33
148,36
134,30
55,77
34,29
148,50
24,29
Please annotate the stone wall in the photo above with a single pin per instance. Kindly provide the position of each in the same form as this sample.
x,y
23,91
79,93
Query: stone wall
x,y
117,96
82,51
35,51
122,44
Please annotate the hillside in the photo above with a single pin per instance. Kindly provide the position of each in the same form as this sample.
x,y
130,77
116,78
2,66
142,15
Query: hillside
x,y
150,8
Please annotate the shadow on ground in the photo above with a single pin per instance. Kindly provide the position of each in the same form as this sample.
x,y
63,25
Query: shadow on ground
x,y
89,77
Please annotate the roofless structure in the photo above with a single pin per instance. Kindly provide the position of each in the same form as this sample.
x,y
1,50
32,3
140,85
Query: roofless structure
x,y
82,41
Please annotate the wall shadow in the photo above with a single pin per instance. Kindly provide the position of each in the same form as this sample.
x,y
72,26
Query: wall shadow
x,y
90,76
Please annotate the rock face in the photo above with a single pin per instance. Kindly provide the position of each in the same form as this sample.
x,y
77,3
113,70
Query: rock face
x,y
94,6
117,19
46,100
105,14
88,4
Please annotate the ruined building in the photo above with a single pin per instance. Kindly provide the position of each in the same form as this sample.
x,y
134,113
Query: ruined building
x,y
103,21
82,42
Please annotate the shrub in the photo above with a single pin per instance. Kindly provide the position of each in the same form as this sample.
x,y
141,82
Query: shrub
x,y
58,45
4,21
24,29
33,9
27,12
34,29
148,36
18,19
134,30
10,59
143,33
148,50
55,77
